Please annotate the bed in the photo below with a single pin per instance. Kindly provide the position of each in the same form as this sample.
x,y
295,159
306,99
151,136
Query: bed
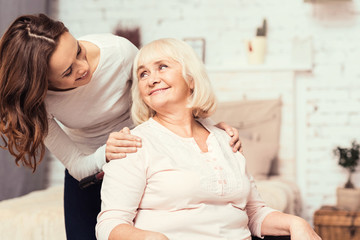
x,y
39,215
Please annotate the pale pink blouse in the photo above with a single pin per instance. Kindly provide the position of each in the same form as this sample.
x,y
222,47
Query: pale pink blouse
x,y
170,186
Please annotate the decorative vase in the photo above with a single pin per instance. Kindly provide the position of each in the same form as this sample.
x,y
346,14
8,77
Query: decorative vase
x,y
348,198
256,49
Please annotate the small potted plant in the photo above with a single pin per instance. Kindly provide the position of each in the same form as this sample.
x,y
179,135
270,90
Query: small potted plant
x,y
348,197
256,47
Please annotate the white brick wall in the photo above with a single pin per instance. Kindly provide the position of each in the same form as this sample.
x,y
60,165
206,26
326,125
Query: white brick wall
x,y
239,85
328,97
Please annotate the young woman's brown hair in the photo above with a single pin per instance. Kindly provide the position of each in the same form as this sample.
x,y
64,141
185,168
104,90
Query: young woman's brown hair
x,y
25,50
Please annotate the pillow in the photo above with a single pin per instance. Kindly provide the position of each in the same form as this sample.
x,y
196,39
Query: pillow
x,y
258,123
259,157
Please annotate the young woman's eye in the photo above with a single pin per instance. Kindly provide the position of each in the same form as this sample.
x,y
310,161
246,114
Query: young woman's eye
x,y
79,50
69,73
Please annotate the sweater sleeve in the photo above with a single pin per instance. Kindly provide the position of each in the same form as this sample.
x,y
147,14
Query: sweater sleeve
x,y
256,209
121,192
79,164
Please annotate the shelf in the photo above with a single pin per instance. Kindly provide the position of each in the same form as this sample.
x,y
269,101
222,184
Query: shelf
x,y
261,68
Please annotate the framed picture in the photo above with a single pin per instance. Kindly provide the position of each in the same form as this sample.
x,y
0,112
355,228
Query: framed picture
x,y
198,44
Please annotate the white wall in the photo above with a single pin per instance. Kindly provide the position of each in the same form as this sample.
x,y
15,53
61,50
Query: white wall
x,y
329,95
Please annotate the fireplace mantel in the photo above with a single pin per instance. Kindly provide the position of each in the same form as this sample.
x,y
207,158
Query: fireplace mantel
x,y
262,68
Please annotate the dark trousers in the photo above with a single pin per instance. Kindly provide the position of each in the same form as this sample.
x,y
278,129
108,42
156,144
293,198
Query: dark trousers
x,y
81,207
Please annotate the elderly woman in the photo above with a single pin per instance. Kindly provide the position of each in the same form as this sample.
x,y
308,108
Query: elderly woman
x,y
71,96
185,182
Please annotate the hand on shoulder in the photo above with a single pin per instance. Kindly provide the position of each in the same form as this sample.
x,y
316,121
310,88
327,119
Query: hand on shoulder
x,y
120,143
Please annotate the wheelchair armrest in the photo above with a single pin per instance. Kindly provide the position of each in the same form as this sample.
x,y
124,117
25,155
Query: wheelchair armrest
x,y
272,238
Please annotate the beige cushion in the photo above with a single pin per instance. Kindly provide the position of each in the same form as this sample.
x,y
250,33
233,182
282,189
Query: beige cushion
x,y
258,122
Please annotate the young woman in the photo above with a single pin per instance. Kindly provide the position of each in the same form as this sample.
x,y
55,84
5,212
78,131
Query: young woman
x,y
71,96
184,183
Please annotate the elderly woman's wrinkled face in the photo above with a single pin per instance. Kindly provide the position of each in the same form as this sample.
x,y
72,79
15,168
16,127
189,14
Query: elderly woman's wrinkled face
x,y
162,85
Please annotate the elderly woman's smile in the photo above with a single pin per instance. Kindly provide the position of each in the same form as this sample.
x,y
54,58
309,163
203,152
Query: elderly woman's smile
x,y
158,91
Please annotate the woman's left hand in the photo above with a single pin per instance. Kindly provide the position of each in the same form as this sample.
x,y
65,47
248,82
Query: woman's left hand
x,y
235,142
120,143
301,230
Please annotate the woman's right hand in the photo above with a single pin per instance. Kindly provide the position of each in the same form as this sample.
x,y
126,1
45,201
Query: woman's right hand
x,y
120,143
155,236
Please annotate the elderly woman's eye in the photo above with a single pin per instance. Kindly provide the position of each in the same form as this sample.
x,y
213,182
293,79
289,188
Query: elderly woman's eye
x,y
142,74
162,66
